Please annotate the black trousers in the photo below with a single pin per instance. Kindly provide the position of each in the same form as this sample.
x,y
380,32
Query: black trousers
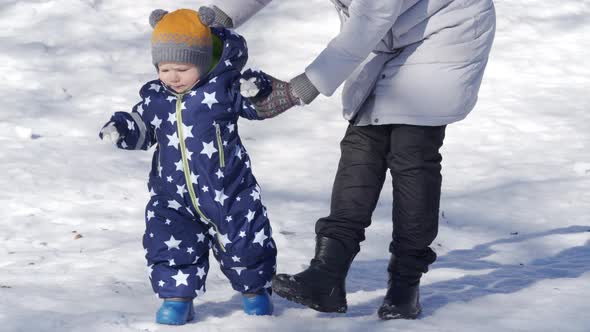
x,y
411,153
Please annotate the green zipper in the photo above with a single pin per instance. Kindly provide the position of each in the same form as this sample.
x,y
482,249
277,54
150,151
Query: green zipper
x,y
220,146
186,169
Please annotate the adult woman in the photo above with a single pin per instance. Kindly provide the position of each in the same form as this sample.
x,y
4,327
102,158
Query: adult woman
x,y
411,67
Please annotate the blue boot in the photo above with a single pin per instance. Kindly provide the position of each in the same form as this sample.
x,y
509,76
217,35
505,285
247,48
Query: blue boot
x,y
257,304
175,312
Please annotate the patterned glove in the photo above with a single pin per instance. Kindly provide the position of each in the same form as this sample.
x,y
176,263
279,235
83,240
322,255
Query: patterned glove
x,y
269,95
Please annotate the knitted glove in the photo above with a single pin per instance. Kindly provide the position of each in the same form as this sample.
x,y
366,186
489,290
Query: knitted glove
x,y
271,96
215,17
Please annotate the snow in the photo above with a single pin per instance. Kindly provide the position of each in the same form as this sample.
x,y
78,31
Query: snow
x,y
514,239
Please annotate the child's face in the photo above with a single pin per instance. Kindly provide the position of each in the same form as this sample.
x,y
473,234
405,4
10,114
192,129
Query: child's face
x,y
179,76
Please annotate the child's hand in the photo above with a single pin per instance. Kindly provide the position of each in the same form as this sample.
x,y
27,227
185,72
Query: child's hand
x,y
269,96
109,133
248,88
255,85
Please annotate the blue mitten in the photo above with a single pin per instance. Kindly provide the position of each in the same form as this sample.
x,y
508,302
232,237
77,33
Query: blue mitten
x,y
116,129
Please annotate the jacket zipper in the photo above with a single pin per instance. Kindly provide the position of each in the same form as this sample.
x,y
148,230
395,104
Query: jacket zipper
x,y
220,146
186,170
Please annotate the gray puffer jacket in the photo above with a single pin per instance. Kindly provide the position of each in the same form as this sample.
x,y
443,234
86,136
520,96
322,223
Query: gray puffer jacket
x,y
417,62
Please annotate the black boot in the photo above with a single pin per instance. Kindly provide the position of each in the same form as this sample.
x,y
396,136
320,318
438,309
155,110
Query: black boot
x,y
322,285
403,296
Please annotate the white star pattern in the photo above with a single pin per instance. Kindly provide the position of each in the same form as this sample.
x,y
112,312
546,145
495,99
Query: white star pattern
x,y
200,291
231,127
150,269
227,63
180,278
190,250
180,190
172,118
250,215
187,131
220,196
219,173
173,140
242,234
236,259
179,165
239,152
174,205
150,214
154,87
209,99
205,189
238,269
260,237
224,239
169,179
171,98
255,195
161,283
171,262
147,101
156,122
201,272
194,178
213,80
228,218
212,231
200,237
130,125
209,149
173,243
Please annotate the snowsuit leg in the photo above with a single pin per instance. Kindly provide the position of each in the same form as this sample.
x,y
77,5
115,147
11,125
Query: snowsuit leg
x,y
249,261
177,249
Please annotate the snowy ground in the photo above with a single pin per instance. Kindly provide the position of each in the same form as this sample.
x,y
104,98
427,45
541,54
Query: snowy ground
x,y
514,242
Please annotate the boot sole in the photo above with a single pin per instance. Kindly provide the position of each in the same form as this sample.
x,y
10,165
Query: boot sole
x,y
387,312
287,293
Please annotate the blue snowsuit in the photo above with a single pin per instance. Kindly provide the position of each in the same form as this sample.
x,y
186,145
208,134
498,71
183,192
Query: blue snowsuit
x,y
203,192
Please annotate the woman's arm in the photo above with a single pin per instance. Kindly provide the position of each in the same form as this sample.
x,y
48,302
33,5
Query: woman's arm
x,y
238,11
367,24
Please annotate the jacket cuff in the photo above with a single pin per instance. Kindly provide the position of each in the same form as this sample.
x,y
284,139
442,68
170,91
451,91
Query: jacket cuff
x,y
221,18
304,89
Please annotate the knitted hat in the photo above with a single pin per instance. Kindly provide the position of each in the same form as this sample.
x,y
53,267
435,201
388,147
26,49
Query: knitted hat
x,y
182,36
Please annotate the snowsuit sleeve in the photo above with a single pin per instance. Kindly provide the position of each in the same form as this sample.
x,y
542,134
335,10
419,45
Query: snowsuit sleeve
x,y
360,33
137,133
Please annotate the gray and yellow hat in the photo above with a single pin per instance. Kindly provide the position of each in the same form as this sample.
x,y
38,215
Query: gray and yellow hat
x,y
182,36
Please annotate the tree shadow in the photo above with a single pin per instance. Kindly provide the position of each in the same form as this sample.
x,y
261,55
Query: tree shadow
x,y
504,279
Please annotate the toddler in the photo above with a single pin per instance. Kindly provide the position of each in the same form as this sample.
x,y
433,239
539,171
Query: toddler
x,y
203,193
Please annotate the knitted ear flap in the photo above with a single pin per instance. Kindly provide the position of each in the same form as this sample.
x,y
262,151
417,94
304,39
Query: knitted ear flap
x,y
207,15
156,16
